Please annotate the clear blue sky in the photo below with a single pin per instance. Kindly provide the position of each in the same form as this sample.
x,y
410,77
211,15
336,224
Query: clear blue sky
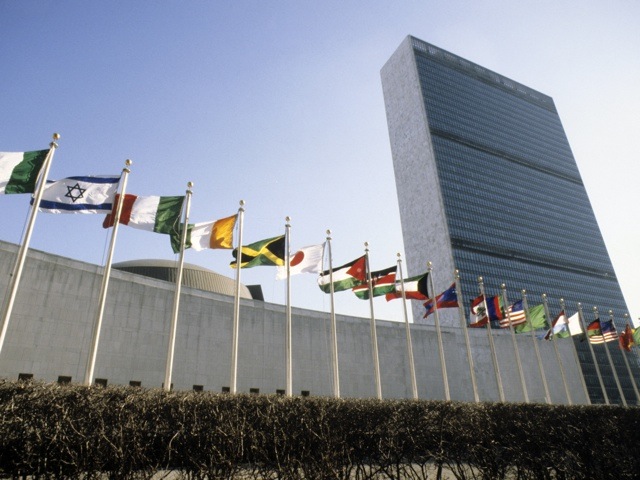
x,y
279,103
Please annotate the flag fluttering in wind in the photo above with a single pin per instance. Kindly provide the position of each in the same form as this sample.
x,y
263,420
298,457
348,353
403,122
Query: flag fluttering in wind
x,y
205,235
306,260
382,282
481,316
447,299
515,313
268,252
19,171
626,339
559,327
600,331
537,320
345,277
574,324
415,288
155,214
88,194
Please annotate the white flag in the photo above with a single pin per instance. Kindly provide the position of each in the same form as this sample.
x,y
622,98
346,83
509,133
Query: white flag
x,y
90,194
306,260
574,324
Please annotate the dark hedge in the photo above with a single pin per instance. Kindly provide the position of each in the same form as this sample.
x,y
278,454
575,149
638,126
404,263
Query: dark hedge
x,y
67,431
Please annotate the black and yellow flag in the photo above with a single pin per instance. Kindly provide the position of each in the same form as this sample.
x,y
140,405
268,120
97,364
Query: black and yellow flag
x,y
269,252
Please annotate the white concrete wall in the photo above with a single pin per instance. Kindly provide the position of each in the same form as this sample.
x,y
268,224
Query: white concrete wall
x,y
50,332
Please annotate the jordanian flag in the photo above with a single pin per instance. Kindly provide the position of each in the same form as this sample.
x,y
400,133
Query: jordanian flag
x,y
19,171
269,252
415,288
382,282
345,277
155,214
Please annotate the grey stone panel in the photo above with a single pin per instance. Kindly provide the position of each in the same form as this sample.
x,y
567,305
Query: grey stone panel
x,y
50,333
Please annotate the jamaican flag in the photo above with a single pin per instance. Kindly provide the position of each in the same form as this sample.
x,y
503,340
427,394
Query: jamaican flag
x,y
269,252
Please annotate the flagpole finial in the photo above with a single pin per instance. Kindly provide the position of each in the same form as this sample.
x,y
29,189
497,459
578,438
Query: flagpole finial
x,y
189,185
626,315
399,255
580,304
524,292
456,273
366,246
480,279
287,219
503,286
56,137
128,162
429,265
328,231
544,295
610,312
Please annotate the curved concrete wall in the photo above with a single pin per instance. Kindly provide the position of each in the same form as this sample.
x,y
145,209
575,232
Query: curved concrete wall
x,y
50,333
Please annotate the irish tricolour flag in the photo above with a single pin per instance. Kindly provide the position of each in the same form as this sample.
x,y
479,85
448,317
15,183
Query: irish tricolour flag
x,y
156,214
19,171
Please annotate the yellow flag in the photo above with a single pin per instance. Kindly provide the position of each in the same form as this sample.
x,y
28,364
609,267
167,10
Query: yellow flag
x,y
222,233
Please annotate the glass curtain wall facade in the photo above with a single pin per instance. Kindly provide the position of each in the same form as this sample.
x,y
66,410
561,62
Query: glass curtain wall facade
x,y
503,190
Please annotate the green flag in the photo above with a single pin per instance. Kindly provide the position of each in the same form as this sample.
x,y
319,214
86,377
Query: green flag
x,y
537,319
19,170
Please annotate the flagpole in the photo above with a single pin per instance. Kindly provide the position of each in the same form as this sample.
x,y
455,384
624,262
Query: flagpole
x,y
575,355
626,361
24,247
233,383
593,354
288,350
443,364
463,325
492,347
374,335
613,367
334,334
547,312
412,366
515,344
545,385
176,297
97,326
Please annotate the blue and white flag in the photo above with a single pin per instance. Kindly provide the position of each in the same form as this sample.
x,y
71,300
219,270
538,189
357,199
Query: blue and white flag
x,y
90,194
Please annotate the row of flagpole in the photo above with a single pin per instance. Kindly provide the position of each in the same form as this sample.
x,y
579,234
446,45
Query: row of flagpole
x,y
21,256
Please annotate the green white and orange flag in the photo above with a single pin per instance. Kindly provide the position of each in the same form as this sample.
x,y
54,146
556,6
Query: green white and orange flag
x,y
19,171
201,236
345,277
382,282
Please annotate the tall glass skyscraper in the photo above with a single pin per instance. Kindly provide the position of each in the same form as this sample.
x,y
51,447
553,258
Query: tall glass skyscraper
x,y
487,184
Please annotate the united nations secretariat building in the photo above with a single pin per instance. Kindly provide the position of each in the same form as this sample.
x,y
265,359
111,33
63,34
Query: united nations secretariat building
x,y
459,135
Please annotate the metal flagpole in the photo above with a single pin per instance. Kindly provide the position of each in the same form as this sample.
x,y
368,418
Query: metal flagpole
x,y
288,362
626,361
24,247
443,364
233,383
334,335
593,354
93,352
545,303
613,367
494,357
374,335
576,358
176,297
412,366
545,385
515,344
463,325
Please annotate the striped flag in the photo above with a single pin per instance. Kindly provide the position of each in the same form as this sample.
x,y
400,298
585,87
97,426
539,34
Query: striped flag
x,y
516,313
155,214
382,282
88,194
